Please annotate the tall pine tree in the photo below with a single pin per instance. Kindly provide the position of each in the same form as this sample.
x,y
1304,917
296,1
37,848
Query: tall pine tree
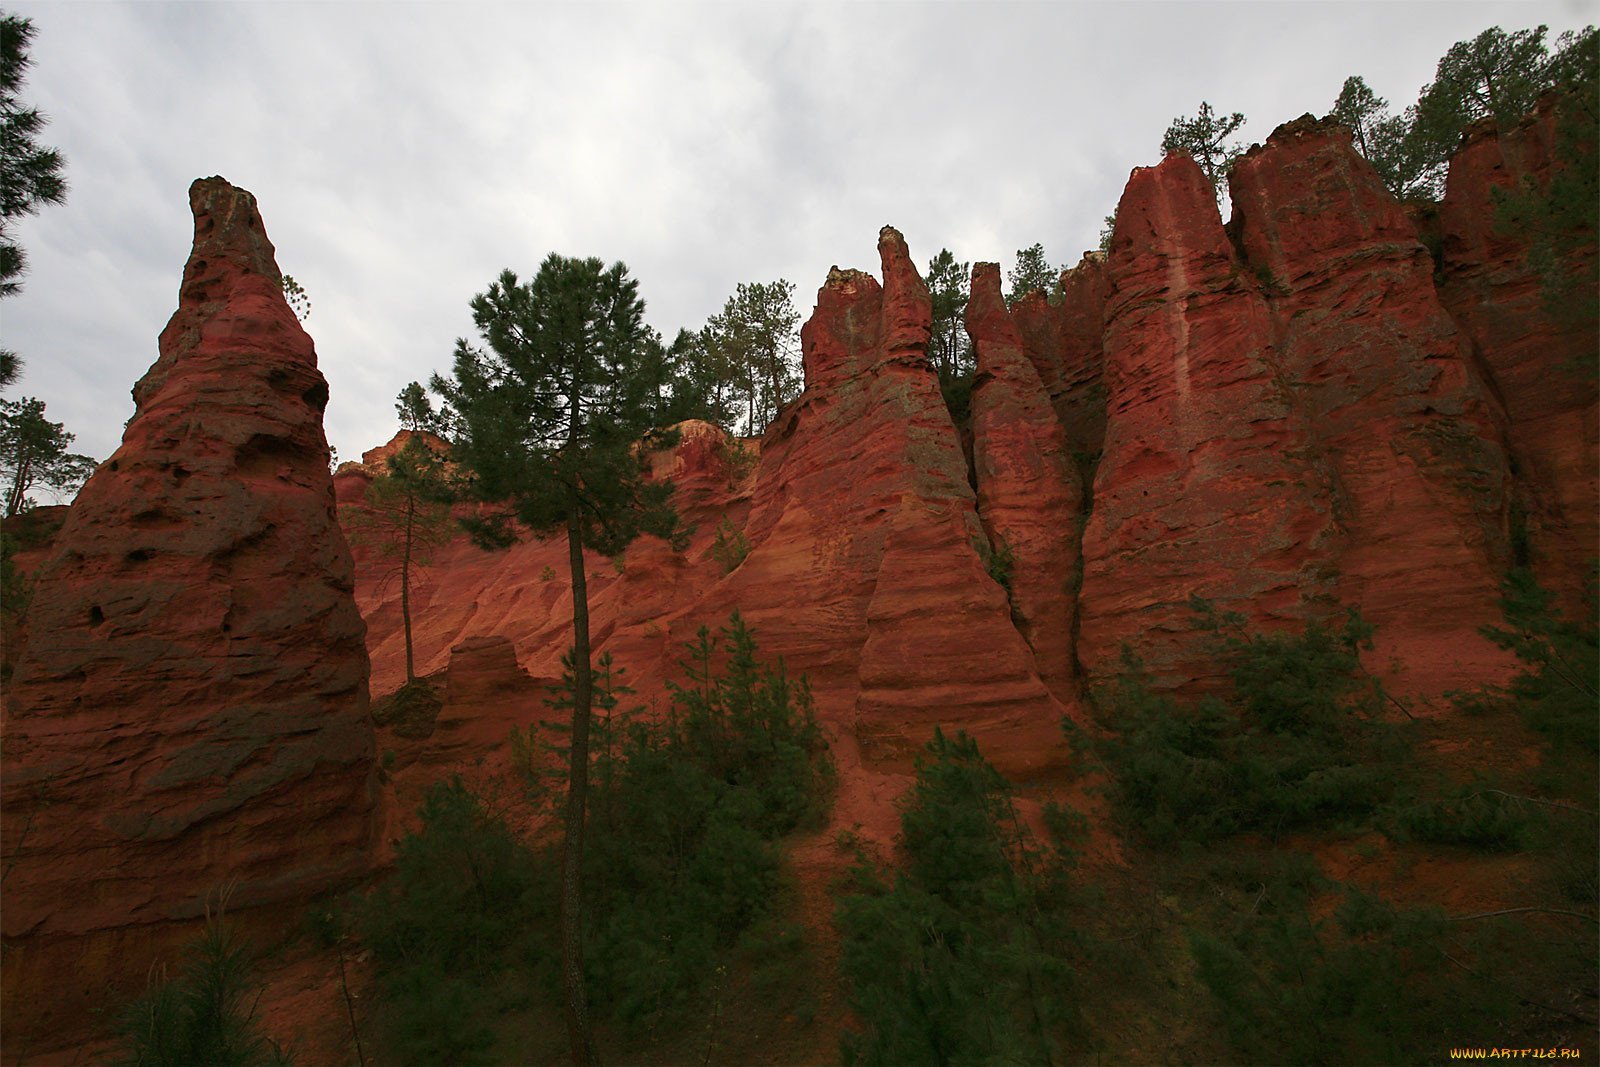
x,y
548,418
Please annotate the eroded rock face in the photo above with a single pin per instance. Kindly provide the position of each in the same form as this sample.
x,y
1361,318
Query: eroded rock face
x,y
1399,419
1065,344
1206,485
189,714
1028,491
866,565
1537,348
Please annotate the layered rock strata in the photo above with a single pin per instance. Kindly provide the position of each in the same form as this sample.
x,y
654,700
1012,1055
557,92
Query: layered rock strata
x,y
1029,497
867,563
188,718
1534,331
1399,419
1206,485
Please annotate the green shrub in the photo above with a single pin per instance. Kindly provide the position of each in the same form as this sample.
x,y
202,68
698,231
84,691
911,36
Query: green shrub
x,y
462,898
1559,689
961,957
681,857
730,546
205,1015
1368,984
1297,742
1474,816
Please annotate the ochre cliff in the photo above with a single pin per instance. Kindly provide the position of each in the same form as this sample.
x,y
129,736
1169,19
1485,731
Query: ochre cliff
x,y
1029,494
1401,426
187,714
1533,332
1205,485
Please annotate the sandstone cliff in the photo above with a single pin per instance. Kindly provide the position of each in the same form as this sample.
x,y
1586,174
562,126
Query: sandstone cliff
x,y
188,714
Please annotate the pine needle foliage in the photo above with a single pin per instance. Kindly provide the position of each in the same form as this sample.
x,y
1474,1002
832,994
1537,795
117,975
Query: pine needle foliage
x,y
1298,742
204,1015
961,957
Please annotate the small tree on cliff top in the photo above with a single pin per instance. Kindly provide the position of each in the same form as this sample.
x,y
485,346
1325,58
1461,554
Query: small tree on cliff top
x,y
1205,138
548,418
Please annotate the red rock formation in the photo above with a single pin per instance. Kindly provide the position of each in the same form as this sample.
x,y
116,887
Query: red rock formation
x,y
865,567
1419,475
1064,342
1204,486
190,710
1028,490
1540,362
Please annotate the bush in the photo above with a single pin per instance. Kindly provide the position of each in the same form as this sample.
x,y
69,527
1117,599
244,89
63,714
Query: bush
x,y
1368,984
730,546
1473,816
1296,743
1557,691
461,898
962,956
204,1016
681,857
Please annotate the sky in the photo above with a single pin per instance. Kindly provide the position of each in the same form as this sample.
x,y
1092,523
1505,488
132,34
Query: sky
x,y
403,154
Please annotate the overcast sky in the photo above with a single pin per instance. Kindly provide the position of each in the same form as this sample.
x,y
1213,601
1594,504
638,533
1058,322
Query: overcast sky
x,y
403,154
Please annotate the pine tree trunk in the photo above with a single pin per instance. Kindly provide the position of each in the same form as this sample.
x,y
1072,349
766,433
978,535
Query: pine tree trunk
x,y
579,1035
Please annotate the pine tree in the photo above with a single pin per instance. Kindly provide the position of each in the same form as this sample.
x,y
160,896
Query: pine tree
x,y
948,348
548,419
1205,139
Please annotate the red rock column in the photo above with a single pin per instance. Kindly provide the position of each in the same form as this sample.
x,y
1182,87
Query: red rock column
x,y
190,711
1028,495
1420,475
1065,344
864,569
1539,356
1205,486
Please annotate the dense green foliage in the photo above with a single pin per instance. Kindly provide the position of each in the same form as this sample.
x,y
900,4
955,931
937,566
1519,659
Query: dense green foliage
x,y
30,175
204,1015
1370,983
1557,690
1032,273
454,915
1205,138
753,347
729,546
33,454
546,414
962,956
682,869
1297,741
949,349
1495,74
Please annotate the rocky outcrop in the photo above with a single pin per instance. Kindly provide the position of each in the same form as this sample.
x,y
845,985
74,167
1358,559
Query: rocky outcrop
x,y
1065,343
1399,419
1206,485
1534,332
189,713
866,567
1028,491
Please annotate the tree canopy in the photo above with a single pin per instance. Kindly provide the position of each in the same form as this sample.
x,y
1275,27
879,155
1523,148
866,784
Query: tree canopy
x,y
751,351
33,454
548,413
30,174
1497,74
1206,139
948,281
1032,273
